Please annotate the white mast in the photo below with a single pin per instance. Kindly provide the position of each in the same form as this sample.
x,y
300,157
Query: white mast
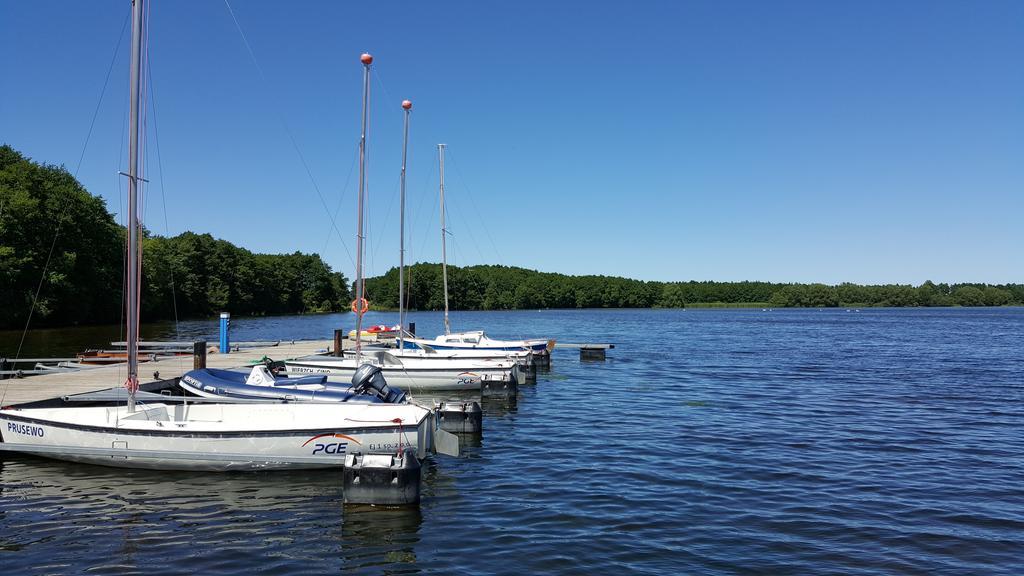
x,y
135,99
444,254
407,106
357,306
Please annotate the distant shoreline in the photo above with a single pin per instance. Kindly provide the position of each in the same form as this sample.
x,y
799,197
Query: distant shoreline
x,y
15,333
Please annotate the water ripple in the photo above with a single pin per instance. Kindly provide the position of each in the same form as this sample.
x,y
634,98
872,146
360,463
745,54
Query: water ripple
x,y
747,442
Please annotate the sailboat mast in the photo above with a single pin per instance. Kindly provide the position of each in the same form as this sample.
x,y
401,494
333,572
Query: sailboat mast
x,y
407,106
366,59
444,252
132,304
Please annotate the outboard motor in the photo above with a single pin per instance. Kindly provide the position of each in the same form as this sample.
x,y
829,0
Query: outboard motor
x,y
369,379
275,366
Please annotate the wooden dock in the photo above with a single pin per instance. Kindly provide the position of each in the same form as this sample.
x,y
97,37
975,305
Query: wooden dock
x,y
589,351
58,384
582,346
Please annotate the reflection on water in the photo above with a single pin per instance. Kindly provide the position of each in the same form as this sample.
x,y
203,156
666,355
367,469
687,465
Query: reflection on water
x,y
499,407
117,520
375,535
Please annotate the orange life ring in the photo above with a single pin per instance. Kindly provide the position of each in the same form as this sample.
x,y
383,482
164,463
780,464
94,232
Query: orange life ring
x,y
360,306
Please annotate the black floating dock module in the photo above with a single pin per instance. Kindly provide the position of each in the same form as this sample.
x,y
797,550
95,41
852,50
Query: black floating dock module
x,y
499,388
384,479
525,372
460,417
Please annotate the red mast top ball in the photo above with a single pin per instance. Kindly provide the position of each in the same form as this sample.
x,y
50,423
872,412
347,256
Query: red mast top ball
x,y
407,104
366,58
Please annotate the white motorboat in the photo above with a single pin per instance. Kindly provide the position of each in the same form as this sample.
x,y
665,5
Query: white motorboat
x,y
409,373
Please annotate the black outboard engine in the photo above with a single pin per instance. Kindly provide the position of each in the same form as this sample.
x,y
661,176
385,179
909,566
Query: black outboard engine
x,y
369,379
275,366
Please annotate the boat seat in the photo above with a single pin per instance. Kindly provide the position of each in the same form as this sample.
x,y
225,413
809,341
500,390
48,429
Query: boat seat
x,y
150,414
302,380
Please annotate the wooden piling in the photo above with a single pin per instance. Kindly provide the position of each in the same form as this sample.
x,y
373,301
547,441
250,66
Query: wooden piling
x,y
338,335
199,355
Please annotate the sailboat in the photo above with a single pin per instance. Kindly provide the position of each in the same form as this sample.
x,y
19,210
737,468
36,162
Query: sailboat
x,y
475,340
407,371
463,359
195,435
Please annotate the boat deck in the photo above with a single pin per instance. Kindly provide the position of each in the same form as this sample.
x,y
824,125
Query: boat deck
x,y
58,384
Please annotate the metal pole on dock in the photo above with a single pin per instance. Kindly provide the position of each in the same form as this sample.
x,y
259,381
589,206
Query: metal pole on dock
x,y
407,106
135,102
366,59
444,233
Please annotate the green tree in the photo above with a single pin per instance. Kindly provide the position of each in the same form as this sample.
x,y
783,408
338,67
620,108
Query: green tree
x,y
969,296
49,222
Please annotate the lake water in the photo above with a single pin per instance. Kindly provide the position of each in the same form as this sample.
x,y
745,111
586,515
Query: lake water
x,y
710,442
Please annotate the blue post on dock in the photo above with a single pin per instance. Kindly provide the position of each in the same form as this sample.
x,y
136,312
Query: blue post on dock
x,y
225,343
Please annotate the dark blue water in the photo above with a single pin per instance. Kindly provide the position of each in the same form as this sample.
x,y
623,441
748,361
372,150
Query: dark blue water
x,y
711,442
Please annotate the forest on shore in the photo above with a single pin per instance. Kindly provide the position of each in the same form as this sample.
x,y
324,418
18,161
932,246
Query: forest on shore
x,y
507,288
48,221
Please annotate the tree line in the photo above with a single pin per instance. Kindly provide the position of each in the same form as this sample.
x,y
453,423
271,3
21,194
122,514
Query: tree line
x,y
507,288
48,221
202,275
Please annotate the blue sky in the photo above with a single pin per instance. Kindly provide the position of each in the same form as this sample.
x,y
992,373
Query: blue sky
x,y
869,142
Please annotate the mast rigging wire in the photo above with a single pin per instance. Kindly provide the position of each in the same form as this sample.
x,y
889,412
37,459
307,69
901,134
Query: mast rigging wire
x,y
163,197
67,203
344,190
472,201
288,131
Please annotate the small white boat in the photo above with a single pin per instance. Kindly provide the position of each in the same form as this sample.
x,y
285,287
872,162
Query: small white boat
x,y
477,340
426,352
216,437
408,373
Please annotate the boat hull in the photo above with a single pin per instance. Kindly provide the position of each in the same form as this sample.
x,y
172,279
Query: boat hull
x,y
479,341
536,348
517,355
187,437
446,380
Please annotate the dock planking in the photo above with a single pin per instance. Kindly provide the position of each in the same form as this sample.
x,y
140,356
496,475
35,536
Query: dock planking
x,y
568,345
58,384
